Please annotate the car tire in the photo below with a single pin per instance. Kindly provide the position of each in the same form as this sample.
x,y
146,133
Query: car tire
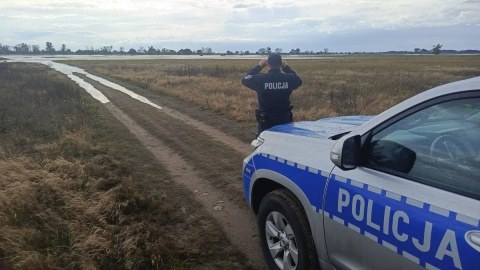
x,y
287,242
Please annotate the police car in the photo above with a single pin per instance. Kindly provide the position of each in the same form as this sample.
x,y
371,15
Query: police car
x,y
400,190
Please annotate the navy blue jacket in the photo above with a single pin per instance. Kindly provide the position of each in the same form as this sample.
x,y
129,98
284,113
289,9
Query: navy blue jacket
x,y
273,88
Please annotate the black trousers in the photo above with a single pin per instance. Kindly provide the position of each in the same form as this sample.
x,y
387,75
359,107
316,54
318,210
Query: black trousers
x,y
267,120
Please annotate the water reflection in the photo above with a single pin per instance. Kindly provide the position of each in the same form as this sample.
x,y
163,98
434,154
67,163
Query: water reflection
x,y
89,88
123,90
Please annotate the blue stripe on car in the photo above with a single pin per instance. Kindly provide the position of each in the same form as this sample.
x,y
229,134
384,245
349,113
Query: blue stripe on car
x,y
383,216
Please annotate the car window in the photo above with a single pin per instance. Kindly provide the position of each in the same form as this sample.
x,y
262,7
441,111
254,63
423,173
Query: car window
x,y
438,145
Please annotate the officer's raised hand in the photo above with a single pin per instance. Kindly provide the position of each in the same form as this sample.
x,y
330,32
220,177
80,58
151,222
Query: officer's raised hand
x,y
263,62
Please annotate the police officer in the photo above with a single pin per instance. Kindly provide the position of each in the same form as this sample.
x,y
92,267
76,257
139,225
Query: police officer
x,y
273,91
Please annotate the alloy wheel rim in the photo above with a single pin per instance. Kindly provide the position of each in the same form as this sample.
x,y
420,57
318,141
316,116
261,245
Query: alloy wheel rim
x,y
281,241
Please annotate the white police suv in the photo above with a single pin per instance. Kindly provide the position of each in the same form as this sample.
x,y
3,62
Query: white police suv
x,y
397,191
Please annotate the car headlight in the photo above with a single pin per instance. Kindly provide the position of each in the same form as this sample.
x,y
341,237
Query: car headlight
x,y
256,143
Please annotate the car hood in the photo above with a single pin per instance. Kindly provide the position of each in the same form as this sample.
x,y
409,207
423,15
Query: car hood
x,y
323,128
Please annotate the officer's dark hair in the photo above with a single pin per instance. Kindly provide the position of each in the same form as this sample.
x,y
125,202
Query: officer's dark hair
x,y
275,60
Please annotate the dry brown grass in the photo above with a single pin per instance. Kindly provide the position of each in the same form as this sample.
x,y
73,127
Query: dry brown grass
x,y
332,86
78,192
57,215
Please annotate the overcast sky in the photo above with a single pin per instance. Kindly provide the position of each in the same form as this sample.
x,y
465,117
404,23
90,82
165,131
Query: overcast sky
x,y
339,25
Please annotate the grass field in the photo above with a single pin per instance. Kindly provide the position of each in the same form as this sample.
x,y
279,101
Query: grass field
x,y
333,86
78,192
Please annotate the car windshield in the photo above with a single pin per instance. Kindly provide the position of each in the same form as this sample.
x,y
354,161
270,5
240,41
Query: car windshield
x,y
460,110
464,110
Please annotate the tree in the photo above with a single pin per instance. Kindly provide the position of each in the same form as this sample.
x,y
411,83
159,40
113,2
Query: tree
x,y
4,48
22,48
416,50
185,51
296,51
63,49
262,51
436,49
325,51
89,50
151,50
49,47
269,50
207,50
36,49
106,49
164,51
278,50
132,51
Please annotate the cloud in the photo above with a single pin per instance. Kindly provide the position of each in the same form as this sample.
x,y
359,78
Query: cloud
x,y
306,24
243,5
34,34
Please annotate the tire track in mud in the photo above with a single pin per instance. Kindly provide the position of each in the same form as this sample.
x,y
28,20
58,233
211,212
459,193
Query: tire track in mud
x,y
216,134
205,160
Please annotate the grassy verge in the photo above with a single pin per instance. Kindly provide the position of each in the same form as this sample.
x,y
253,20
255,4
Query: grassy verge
x,y
332,85
78,191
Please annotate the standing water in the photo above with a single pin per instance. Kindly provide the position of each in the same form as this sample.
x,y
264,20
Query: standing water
x,y
95,93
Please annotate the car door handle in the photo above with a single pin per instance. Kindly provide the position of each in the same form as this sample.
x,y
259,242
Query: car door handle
x,y
473,239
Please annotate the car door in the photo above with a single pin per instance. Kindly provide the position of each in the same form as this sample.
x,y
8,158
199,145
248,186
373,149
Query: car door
x,y
414,201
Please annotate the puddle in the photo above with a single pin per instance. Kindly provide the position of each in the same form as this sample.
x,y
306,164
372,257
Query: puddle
x,y
89,88
95,93
123,90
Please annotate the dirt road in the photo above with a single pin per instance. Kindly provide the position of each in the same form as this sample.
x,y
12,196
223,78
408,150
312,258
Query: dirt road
x,y
206,160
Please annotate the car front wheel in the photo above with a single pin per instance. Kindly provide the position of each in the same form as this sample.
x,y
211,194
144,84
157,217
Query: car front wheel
x,y
284,231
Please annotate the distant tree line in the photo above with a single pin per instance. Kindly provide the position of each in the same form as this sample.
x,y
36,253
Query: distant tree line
x,y
49,49
436,49
24,48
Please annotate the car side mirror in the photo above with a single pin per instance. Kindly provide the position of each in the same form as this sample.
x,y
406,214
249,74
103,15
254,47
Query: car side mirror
x,y
345,153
